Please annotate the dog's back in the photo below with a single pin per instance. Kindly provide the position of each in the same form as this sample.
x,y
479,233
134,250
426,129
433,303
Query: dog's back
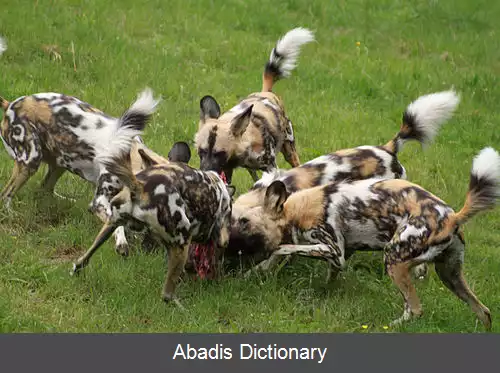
x,y
192,202
57,129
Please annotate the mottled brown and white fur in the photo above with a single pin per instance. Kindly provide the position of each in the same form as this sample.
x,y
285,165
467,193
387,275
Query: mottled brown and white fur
x,y
420,122
411,225
252,133
178,204
66,134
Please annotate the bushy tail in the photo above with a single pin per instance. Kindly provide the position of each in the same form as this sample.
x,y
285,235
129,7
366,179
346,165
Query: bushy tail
x,y
423,118
4,104
484,185
116,154
284,56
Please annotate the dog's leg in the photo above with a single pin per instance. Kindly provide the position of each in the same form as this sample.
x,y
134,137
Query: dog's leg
x,y
121,241
102,237
8,185
290,153
319,250
177,257
53,175
315,250
253,174
400,276
21,174
449,269
265,265
333,271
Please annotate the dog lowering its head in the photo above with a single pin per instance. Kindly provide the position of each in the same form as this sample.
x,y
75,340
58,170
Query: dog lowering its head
x,y
178,204
411,226
252,133
66,133
421,122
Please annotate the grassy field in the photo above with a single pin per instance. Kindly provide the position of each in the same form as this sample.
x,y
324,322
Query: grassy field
x,y
370,60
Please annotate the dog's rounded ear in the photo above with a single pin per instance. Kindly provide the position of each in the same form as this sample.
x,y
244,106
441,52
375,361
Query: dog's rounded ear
x,y
276,196
209,108
240,123
180,152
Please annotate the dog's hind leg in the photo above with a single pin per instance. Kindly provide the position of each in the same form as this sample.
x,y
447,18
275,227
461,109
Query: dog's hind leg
x,y
53,175
177,257
449,269
400,276
288,149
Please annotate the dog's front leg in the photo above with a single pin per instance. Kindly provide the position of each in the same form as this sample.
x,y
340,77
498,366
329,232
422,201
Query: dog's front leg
x,y
320,251
177,257
121,241
266,265
102,237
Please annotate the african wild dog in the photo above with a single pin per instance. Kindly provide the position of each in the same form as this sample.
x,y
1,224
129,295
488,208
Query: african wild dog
x,y
421,122
411,226
177,203
65,133
109,185
252,133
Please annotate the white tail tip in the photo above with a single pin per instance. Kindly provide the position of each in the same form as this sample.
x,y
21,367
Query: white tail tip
x,y
487,165
287,49
432,110
145,103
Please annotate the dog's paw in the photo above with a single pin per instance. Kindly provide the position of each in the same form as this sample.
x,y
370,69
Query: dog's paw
x,y
122,249
74,271
169,298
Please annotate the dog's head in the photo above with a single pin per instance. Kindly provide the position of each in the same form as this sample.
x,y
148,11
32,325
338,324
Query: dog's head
x,y
259,229
218,142
109,185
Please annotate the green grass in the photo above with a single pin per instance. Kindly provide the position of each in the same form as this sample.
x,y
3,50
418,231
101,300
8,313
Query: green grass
x,y
340,96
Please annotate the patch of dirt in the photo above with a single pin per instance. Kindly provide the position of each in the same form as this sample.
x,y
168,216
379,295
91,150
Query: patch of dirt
x,y
66,254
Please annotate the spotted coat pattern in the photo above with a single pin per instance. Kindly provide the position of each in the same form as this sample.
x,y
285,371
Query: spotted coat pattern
x,y
179,204
269,131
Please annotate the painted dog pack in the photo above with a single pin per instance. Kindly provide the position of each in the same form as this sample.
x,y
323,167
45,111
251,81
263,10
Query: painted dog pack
x,y
178,204
421,122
